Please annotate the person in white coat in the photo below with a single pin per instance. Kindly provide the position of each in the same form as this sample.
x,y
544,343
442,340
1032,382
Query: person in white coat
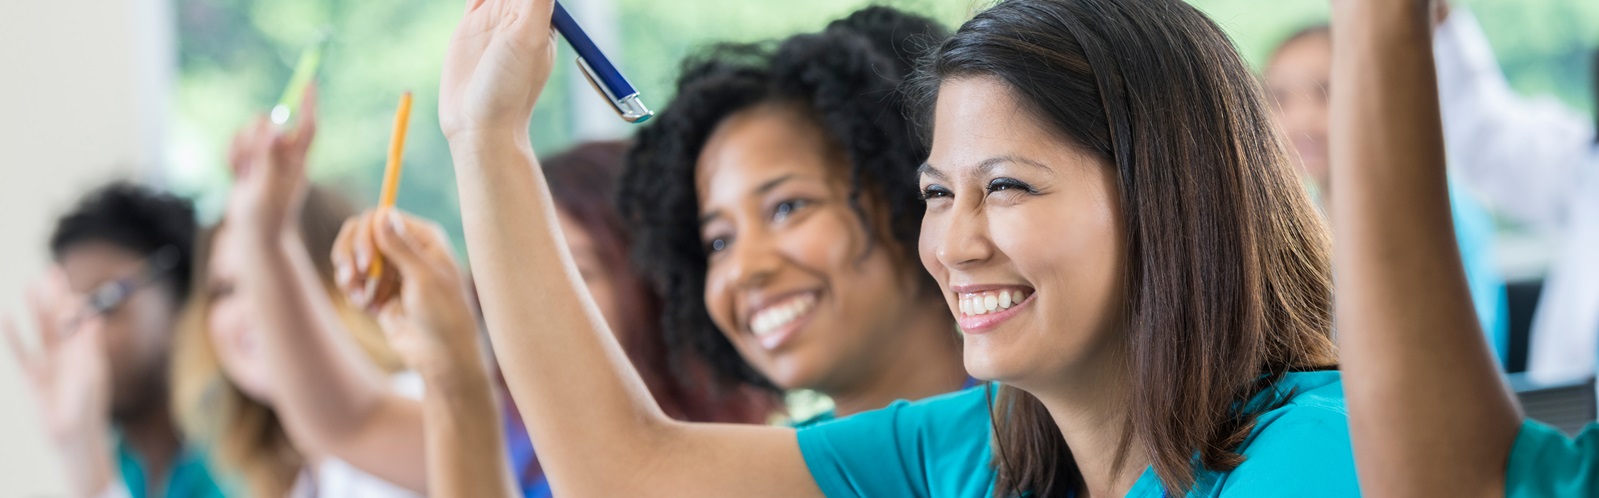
x,y
1534,161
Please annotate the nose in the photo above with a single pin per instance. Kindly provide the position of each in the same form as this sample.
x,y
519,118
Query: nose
x,y
960,237
751,262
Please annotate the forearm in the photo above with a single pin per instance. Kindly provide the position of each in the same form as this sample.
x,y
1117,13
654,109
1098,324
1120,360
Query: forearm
x,y
587,411
466,453
330,397
1427,411
87,459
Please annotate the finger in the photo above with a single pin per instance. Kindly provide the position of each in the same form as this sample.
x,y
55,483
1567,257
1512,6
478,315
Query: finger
x,y
39,307
398,246
305,127
14,343
237,151
343,264
255,138
539,10
429,238
472,5
361,244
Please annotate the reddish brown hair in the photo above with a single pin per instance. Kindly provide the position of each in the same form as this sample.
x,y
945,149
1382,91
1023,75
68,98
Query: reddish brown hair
x,y
583,181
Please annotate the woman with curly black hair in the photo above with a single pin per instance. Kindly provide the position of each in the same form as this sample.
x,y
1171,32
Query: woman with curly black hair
x,y
773,204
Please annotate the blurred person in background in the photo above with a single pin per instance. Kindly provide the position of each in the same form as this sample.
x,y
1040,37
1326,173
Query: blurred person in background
x,y
105,318
1535,162
1297,76
425,286
243,359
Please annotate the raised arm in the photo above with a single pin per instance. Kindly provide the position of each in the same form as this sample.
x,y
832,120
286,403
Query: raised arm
x,y
1428,413
331,398
596,428
431,326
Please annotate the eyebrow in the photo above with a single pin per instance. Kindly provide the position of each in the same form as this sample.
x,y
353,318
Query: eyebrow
x,y
983,167
761,189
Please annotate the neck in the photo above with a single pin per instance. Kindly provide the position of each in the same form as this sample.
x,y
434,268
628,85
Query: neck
x,y
151,435
1091,411
924,361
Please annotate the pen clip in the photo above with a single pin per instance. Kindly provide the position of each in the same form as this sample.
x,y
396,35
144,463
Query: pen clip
x,y
628,106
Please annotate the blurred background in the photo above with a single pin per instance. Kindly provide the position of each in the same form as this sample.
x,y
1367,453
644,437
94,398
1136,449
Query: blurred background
x,y
152,90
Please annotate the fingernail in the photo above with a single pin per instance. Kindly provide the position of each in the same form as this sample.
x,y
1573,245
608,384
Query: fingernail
x,y
344,273
395,224
363,260
369,292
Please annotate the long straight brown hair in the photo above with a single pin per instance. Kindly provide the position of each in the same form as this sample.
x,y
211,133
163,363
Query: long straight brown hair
x,y
1228,276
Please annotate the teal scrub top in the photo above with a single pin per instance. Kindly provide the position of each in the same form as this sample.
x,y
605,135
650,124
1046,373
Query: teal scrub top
x,y
1544,462
939,447
190,477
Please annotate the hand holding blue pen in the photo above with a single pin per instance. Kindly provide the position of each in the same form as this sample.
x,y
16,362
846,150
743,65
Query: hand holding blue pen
x,y
599,70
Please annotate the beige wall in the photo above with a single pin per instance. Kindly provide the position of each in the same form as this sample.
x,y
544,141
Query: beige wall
x,y
82,100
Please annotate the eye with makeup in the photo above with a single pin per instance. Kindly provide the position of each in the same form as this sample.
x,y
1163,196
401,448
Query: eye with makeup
x,y
934,192
1008,189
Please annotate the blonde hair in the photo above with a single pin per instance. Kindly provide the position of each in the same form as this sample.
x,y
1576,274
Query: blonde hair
x,y
246,442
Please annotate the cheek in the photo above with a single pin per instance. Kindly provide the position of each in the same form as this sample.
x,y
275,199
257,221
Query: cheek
x,y
231,337
927,245
718,302
829,241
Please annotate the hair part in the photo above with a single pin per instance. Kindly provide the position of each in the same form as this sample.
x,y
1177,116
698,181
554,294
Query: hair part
x,y
1210,209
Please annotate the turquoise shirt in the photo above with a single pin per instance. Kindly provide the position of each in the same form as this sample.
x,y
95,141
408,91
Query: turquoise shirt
x,y
1544,462
939,447
189,477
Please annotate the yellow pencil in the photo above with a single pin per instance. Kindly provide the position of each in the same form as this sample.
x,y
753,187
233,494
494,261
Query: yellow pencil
x,y
391,175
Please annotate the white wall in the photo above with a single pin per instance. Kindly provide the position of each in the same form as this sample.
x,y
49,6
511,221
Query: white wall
x,y
82,101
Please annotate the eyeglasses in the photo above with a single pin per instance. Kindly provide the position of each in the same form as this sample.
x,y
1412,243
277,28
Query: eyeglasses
x,y
111,295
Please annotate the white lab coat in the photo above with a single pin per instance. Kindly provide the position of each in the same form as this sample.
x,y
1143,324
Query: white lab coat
x,y
1534,161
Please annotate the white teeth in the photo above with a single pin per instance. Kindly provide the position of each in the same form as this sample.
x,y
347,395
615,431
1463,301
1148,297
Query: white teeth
x,y
989,302
772,318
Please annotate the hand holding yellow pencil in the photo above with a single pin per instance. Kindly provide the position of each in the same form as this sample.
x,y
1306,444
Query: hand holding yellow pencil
x,y
391,182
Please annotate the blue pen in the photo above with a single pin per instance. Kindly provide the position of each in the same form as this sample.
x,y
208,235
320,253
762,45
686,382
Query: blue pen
x,y
599,70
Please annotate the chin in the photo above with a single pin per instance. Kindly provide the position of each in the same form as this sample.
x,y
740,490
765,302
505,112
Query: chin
x,y
983,363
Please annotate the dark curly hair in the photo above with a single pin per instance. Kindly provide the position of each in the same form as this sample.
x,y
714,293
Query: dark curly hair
x,y
847,77
135,218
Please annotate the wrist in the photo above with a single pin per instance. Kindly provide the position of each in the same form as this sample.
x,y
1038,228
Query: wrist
x,y
267,234
87,459
472,142
1372,14
455,378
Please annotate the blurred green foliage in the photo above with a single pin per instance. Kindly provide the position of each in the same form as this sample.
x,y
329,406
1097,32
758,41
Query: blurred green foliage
x,y
235,55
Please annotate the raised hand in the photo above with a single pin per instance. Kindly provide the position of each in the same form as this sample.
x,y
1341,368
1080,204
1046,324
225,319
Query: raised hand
x,y
420,302
497,64
69,378
269,171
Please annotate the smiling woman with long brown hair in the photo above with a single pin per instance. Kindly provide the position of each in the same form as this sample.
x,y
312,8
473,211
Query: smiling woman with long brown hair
x,y
1110,217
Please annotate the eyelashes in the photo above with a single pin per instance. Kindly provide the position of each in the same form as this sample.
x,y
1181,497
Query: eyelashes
x,y
995,186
